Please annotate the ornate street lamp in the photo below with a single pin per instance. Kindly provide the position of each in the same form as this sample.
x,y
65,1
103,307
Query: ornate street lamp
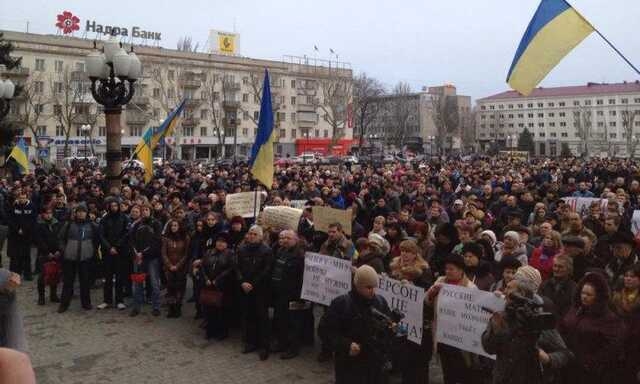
x,y
85,128
112,73
7,89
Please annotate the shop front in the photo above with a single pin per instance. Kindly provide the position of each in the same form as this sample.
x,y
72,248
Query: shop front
x,y
324,147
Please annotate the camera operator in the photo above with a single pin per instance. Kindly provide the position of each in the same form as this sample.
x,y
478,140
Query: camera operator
x,y
529,350
351,327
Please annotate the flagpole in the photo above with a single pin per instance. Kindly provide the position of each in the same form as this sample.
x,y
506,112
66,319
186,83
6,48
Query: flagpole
x,y
606,40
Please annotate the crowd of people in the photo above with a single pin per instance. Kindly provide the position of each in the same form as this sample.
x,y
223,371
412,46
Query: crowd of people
x,y
497,225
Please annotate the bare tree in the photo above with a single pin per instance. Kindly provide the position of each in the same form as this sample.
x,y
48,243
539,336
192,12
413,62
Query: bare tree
x,y
73,104
218,96
446,118
168,92
337,89
185,44
402,111
365,108
468,127
629,117
34,103
583,123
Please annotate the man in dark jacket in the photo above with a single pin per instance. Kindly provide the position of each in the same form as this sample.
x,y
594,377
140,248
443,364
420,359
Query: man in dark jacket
x,y
254,261
144,239
113,232
22,222
348,328
286,282
49,250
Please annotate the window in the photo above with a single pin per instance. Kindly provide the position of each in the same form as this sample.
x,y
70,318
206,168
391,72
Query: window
x,y
542,134
102,131
326,133
521,125
564,134
283,133
530,105
551,104
317,133
255,99
38,87
136,130
541,125
57,109
156,112
256,115
293,100
203,115
293,83
587,102
637,123
57,87
293,133
599,102
563,124
482,107
501,106
41,130
624,101
245,97
245,131
552,124
39,64
613,135
520,115
561,104
519,105
501,125
482,117
156,92
59,130
510,125
510,106
612,123
540,105
58,66
216,96
530,115
492,107
245,80
600,124
293,117
255,132
612,101
511,115
576,102
203,131
540,114
281,116
38,108
552,114
600,113
612,113
245,115
491,126
552,134
561,114
171,74
187,131
171,93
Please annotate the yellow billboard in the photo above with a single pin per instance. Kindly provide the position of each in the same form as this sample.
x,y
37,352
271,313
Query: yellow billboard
x,y
227,43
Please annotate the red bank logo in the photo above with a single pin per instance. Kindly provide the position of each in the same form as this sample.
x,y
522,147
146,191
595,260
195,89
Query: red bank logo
x,y
68,22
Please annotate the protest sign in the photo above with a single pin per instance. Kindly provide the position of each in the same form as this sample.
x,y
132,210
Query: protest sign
x,y
408,299
325,278
581,204
635,222
281,217
461,319
241,204
323,216
300,204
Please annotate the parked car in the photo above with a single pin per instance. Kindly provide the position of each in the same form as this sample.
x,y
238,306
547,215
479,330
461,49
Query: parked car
x,y
132,164
307,158
350,159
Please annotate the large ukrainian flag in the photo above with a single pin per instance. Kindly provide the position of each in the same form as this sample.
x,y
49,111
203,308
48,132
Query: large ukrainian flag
x,y
261,161
151,138
19,154
554,31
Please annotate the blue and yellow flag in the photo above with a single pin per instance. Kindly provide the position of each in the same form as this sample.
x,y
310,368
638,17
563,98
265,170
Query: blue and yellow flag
x,y
151,138
554,31
261,161
19,154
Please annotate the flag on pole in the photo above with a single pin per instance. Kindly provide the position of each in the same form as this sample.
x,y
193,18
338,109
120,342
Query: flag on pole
x,y
151,138
556,28
19,154
261,162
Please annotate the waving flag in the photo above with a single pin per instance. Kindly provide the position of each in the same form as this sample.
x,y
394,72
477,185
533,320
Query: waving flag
x,y
261,162
19,154
556,28
151,138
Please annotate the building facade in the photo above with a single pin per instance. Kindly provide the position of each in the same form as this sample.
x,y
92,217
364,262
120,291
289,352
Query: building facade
x,y
412,118
223,96
592,119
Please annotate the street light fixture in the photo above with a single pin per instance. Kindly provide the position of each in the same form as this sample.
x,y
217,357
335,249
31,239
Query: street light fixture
x,y
113,73
7,90
85,128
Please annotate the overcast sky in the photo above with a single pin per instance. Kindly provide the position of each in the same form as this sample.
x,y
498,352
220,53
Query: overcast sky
x,y
469,43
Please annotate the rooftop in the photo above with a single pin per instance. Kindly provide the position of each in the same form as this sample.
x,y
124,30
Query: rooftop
x,y
589,89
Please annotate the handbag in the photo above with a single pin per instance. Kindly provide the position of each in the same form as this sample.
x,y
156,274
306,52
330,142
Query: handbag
x,y
210,297
52,272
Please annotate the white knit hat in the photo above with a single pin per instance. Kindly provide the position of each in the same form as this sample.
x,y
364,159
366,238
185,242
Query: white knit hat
x,y
491,235
513,235
531,274
365,276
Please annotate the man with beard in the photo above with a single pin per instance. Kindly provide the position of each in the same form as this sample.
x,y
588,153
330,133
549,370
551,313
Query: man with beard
x,y
22,221
113,231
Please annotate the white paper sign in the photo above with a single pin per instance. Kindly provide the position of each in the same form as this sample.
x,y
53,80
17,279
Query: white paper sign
x,y
635,222
460,319
281,217
300,204
242,204
581,205
325,278
409,300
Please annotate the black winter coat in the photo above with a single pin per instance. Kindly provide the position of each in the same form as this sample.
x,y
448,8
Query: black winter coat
x,y
217,267
47,237
113,232
348,320
22,217
287,273
253,265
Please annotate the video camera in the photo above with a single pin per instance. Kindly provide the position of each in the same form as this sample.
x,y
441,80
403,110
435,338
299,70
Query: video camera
x,y
527,315
382,334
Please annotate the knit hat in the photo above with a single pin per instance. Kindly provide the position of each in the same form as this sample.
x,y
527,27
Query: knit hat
x,y
513,235
491,235
379,241
365,276
529,273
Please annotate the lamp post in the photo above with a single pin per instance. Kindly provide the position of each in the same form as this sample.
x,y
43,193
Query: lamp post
x,y
7,90
85,128
113,73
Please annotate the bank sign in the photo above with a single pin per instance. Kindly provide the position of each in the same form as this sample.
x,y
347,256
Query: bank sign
x,y
68,23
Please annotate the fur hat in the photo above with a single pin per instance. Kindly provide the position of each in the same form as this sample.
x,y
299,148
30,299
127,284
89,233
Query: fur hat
x,y
365,276
491,235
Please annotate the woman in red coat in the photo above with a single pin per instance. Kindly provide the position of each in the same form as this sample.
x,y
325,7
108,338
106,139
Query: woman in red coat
x,y
593,333
542,257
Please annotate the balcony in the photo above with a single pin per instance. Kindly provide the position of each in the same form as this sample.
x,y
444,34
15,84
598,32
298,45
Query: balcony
x,y
136,118
192,103
230,104
191,83
82,118
304,107
190,122
229,86
305,117
16,72
229,122
79,76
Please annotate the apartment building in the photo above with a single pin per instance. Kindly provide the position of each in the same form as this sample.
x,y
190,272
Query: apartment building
x,y
223,100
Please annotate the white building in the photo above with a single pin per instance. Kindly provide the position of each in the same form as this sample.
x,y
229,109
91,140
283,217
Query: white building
x,y
223,94
603,119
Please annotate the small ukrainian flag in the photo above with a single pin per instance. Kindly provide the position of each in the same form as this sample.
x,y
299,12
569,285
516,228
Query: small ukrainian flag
x,y
19,154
